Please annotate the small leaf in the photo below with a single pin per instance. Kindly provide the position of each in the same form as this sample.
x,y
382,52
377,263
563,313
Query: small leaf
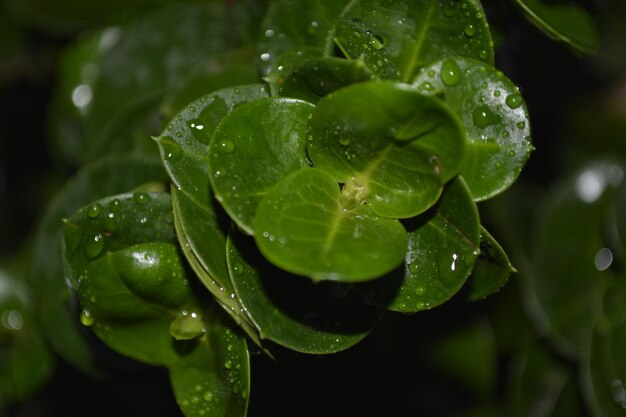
x,y
319,77
395,143
566,23
292,311
442,249
398,37
491,270
494,116
184,143
252,149
303,228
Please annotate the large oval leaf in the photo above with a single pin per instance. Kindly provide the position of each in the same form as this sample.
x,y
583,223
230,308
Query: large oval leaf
x,y
303,228
252,149
494,116
397,37
108,176
185,142
291,311
442,249
395,144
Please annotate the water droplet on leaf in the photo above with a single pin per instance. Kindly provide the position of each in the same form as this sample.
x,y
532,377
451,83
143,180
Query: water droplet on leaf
x,y
450,72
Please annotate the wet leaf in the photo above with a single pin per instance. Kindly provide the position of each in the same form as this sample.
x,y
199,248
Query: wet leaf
x,y
289,60
319,77
494,116
564,22
491,270
110,175
398,37
442,249
252,149
292,311
395,145
302,227
185,142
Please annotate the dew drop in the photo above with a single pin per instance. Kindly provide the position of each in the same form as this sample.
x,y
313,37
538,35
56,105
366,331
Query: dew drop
x,y
470,30
450,72
208,396
227,146
420,291
483,117
86,318
171,149
344,141
94,211
483,54
141,198
514,100
93,248
228,364
115,205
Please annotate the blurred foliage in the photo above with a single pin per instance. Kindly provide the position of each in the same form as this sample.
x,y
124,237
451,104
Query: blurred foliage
x,y
550,343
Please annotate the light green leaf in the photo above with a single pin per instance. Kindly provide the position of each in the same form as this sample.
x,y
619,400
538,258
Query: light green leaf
x,y
252,149
397,37
302,227
395,145
494,116
292,311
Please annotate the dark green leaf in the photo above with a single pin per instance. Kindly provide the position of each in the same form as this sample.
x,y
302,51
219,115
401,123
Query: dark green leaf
x,y
397,37
494,116
395,145
442,248
303,227
319,77
108,176
252,149
563,22
491,270
292,311
287,62
185,142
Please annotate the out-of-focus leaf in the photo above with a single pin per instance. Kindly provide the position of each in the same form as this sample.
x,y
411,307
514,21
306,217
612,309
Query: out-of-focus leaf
x,y
442,249
185,142
51,297
302,226
252,149
566,23
397,37
491,270
292,311
494,116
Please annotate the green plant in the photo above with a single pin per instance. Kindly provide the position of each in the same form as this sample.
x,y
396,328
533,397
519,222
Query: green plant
x,y
303,204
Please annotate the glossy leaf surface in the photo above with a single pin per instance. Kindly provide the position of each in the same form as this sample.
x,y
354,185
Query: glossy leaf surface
x,y
491,270
108,176
303,227
185,142
288,61
395,144
319,77
441,251
398,37
494,116
292,311
252,149
564,22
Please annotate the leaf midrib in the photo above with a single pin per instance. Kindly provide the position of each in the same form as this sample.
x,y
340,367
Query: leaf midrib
x,y
417,48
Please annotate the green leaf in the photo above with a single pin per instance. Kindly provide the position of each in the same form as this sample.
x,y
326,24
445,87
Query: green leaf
x,y
442,249
294,24
252,149
494,116
397,37
563,22
289,60
185,142
292,311
491,270
110,175
319,77
303,228
394,144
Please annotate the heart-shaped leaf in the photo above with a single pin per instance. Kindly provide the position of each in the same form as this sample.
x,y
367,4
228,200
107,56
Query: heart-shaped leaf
x,y
442,248
292,311
252,149
185,142
494,116
491,270
564,22
303,228
394,144
107,176
397,37
319,77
